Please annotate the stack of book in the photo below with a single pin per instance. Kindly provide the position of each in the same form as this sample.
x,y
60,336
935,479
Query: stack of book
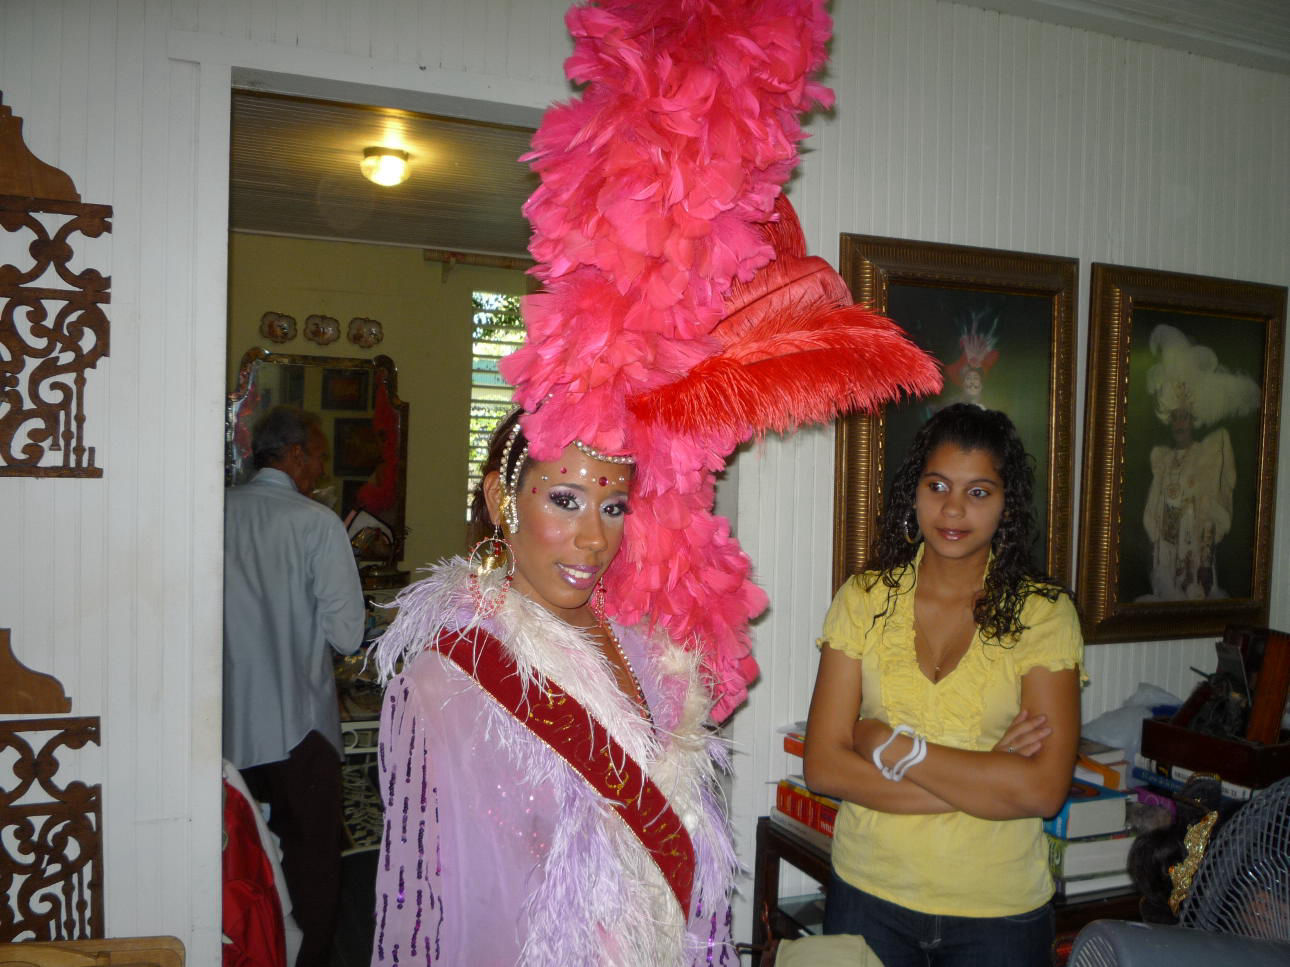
x,y
797,807
808,813
1102,764
1090,864
1088,843
1169,778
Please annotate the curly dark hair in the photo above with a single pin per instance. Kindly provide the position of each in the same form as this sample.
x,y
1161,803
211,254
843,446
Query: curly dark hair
x,y
1013,575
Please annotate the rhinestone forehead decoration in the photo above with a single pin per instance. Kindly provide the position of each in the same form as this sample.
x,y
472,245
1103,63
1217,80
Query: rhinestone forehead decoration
x,y
597,455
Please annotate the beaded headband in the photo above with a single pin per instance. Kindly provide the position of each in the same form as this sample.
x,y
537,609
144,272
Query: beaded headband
x,y
510,482
605,457
509,475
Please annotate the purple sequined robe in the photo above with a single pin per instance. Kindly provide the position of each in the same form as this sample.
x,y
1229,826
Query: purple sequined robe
x,y
496,852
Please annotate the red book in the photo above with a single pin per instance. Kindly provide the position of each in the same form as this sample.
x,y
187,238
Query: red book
x,y
794,738
798,802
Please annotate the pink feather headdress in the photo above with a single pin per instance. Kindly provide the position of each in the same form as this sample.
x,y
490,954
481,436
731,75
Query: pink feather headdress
x,y
681,314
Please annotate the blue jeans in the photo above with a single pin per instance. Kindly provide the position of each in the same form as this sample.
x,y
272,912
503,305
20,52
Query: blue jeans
x,y
901,937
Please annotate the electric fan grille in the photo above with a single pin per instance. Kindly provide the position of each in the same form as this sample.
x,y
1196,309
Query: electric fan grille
x,y
1243,884
1094,950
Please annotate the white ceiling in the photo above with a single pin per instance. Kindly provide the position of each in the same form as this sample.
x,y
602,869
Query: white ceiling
x,y
294,171
294,165
1253,33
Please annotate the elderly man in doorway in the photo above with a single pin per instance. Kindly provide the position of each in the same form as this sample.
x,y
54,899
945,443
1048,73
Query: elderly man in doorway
x,y
291,596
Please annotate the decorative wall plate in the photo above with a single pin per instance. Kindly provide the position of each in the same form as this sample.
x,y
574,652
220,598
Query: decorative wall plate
x,y
277,327
365,332
324,330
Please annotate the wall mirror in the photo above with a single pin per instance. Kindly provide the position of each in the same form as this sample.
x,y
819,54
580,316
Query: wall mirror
x,y
366,425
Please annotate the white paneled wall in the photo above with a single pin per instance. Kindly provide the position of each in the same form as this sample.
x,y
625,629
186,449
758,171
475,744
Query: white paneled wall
x,y
113,585
953,124
110,584
959,125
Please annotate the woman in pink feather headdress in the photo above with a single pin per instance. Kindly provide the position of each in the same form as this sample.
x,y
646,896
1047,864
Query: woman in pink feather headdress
x,y
549,771
548,777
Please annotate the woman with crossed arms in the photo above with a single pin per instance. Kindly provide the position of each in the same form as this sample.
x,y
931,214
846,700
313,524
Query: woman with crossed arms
x,y
946,711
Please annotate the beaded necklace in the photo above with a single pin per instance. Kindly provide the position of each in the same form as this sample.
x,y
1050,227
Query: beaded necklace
x,y
639,697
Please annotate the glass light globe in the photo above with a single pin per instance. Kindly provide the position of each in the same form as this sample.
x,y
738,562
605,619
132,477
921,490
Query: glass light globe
x,y
385,166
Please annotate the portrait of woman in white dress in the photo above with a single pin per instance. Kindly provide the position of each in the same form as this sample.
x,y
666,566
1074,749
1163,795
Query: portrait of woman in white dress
x,y
1189,504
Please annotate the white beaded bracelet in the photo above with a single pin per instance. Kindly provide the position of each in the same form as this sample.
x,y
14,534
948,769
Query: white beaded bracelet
x,y
877,753
916,755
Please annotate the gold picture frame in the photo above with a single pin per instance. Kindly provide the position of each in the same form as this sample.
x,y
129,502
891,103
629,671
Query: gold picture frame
x,y
952,297
1179,479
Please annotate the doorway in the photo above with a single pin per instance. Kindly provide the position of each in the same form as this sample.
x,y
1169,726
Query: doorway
x,y
311,240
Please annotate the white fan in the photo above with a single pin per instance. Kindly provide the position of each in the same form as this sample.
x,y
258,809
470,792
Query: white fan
x,y
1238,910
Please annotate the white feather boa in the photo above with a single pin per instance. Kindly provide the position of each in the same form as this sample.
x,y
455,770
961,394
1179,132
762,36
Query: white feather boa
x,y
600,883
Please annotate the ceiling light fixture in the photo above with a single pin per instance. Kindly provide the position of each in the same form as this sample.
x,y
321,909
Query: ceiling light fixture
x,y
385,166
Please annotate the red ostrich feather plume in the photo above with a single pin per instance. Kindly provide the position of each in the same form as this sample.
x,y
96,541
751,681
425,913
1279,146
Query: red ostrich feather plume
x,y
794,350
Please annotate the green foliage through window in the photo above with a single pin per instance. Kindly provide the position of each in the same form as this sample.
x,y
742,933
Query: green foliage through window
x,y
497,329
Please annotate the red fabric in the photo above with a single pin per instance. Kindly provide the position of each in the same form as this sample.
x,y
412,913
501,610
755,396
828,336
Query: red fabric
x,y
561,722
377,495
252,913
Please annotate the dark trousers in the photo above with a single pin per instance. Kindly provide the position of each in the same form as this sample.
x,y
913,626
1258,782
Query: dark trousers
x,y
303,793
906,938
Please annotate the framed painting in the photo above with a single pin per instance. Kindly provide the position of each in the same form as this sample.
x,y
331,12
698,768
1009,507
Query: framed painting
x,y
356,447
293,385
1002,326
346,389
1180,454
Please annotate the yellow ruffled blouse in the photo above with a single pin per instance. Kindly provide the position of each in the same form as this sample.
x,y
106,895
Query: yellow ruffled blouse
x,y
950,864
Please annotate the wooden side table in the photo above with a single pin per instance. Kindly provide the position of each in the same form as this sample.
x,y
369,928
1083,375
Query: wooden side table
x,y
776,842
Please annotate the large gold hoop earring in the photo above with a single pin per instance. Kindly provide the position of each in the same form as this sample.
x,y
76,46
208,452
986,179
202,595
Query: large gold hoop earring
x,y
911,538
487,558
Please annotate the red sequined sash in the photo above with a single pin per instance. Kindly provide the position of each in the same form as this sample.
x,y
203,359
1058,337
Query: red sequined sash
x,y
561,722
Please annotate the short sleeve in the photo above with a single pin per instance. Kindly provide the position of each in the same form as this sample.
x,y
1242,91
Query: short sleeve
x,y
848,619
1052,638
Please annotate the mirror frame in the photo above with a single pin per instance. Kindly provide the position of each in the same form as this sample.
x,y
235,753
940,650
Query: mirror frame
x,y
382,368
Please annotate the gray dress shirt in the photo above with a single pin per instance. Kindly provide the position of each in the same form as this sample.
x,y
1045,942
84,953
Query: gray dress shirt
x,y
291,589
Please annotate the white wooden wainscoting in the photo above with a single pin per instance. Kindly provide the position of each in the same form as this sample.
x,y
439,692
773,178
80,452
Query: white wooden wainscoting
x,y
959,125
953,124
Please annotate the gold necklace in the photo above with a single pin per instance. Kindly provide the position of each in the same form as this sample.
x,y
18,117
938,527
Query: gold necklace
x,y
622,657
927,646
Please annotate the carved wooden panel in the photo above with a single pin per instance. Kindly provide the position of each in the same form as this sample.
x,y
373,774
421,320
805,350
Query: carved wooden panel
x,y
118,952
24,691
52,325
51,836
